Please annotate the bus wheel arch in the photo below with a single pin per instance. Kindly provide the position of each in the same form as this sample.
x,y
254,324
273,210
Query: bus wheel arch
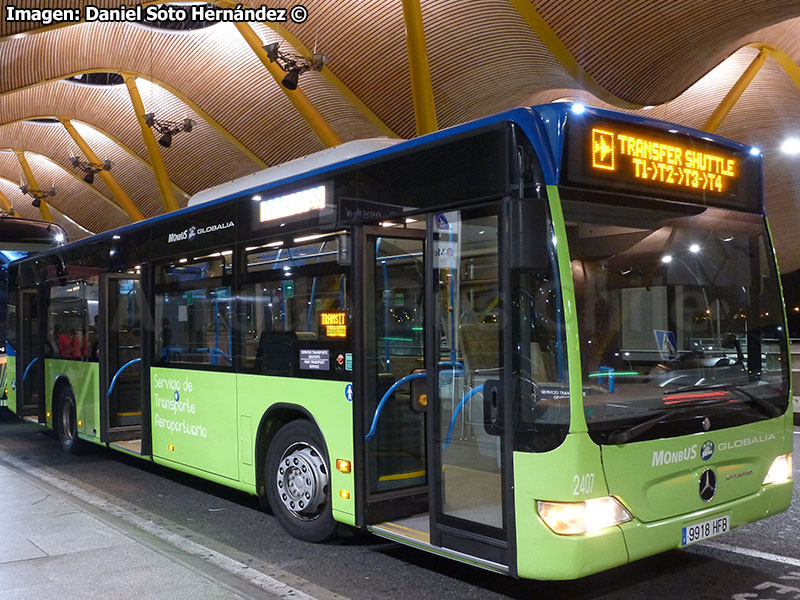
x,y
65,415
295,472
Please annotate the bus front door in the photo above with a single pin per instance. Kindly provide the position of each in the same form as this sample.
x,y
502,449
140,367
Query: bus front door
x,y
434,385
393,359
29,379
120,360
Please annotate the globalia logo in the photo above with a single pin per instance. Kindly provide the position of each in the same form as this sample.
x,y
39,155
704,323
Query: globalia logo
x,y
192,232
707,451
178,396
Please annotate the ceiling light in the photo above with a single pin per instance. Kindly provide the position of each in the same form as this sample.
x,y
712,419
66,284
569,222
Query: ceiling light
x,y
666,259
90,168
168,129
578,108
694,248
294,64
37,195
791,146
754,151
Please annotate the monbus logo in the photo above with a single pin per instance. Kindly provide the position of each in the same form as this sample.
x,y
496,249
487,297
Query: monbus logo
x,y
178,237
667,457
707,451
192,232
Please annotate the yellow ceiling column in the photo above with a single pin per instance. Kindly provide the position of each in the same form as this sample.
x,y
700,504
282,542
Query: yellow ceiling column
x,y
736,91
124,200
7,206
562,54
156,160
302,104
34,187
421,87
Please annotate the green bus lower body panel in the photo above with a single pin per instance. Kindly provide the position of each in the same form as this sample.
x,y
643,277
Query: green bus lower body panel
x,y
84,379
208,423
244,487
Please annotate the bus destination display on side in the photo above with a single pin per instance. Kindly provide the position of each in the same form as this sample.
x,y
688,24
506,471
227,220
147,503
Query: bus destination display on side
x,y
669,164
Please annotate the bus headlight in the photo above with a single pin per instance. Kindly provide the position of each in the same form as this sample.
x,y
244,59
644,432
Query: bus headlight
x,y
781,470
576,518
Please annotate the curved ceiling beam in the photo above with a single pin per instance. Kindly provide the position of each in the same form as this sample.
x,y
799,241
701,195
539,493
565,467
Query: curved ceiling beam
x,y
564,56
765,51
135,156
97,192
736,91
7,206
421,86
329,75
178,94
299,100
32,185
337,83
783,59
160,169
124,200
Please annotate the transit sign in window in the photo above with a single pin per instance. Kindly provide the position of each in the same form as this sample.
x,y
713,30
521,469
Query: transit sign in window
x,y
620,156
334,324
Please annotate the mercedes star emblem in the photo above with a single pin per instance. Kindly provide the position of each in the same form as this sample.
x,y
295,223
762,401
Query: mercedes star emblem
x,y
708,485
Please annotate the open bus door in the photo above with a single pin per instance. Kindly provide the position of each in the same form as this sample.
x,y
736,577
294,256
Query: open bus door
x,y
435,445
29,379
120,362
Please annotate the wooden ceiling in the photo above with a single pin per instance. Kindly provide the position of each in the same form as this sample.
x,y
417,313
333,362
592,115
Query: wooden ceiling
x,y
680,58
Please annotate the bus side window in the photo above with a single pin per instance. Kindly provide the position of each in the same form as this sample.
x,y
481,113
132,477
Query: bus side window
x,y
295,304
68,320
193,311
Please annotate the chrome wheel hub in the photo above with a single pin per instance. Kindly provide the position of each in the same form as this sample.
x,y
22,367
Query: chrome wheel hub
x,y
302,481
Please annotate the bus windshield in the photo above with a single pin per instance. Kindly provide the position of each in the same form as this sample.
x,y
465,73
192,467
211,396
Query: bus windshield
x,y
679,316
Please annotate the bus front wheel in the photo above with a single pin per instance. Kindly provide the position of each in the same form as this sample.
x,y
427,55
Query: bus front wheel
x,y
67,422
297,477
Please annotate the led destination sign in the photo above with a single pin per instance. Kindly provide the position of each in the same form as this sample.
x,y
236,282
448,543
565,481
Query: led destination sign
x,y
622,157
649,159
297,203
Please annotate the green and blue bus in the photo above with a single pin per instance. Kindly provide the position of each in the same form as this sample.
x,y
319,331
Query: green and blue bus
x,y
18,238
545,343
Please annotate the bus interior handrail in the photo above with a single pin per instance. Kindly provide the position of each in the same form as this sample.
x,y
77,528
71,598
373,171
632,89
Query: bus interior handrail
x,y
117,374
28,368
376,417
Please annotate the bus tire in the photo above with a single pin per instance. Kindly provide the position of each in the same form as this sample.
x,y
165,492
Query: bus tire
x,y
67,422
297,477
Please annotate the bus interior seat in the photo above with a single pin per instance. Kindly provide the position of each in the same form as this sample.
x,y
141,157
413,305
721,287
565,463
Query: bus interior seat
x,y
480,353
480,349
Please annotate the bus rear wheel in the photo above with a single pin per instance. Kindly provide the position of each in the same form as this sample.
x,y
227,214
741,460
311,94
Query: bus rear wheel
x,y
297,477
67,422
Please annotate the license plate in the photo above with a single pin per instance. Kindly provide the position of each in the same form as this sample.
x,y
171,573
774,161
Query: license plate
x,y
706,529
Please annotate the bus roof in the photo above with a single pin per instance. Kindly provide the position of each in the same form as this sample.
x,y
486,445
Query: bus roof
x,y
549,118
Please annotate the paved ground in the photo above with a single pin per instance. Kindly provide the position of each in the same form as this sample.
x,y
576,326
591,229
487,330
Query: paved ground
x,y
757,562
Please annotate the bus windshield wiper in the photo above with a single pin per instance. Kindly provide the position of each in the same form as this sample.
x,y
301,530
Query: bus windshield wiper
x,y
623,436
765,406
